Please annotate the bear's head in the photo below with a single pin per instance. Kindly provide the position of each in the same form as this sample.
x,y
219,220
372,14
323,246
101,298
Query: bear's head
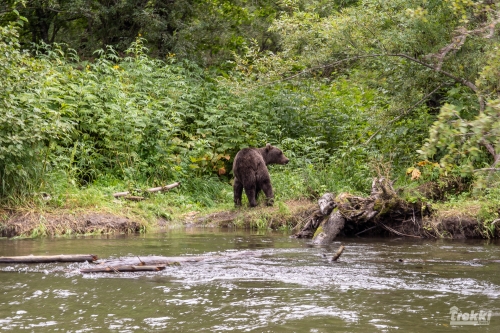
x,y
273,155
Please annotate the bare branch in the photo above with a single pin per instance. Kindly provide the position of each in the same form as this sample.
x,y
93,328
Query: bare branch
x,y
460,36
463,81
423,99
454,46
487,169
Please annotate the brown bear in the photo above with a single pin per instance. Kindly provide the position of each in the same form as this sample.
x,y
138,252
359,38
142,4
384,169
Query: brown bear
x,y
250,173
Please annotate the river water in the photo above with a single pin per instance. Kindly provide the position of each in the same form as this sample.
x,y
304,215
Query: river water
x,y
254,282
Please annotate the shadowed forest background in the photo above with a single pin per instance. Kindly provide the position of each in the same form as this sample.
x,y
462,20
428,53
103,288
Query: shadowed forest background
x,y
100,96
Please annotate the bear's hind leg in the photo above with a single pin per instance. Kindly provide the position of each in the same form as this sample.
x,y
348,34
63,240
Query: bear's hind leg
x,y
238,191
250,192
268,191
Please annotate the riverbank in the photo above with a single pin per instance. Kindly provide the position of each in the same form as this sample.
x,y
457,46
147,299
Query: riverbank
x,y
63,222
446,221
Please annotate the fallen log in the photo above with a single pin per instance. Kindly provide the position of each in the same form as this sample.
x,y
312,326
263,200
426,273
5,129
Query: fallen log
x,y
163,188
45,259
329,230
119,269
170,261
326,204
134,198
353,215
149,190
153,261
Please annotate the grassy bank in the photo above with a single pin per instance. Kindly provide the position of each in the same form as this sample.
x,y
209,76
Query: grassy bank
x,y
66,209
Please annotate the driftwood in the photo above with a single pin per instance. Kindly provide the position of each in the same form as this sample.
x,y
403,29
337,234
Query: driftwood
x,y
119,269
330,229
127,195
46,259
338,253
382,211
134,198
152,261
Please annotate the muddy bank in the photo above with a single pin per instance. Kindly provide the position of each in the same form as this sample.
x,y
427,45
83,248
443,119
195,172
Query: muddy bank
x,y
34,224
290,215
283,215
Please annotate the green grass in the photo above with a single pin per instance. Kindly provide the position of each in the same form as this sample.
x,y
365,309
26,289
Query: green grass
x,y
205,195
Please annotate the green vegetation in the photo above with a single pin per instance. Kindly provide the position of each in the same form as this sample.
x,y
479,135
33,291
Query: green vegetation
x,y
98,97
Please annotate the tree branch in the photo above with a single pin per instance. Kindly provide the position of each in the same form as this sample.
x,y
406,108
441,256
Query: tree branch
x,y
423,99
487,169
463,81
457,79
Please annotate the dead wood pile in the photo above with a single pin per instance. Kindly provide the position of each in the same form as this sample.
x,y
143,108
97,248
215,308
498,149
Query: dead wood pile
x,y
382,212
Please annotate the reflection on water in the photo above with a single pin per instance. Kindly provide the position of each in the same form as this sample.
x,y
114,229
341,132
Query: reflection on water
x,y
285,285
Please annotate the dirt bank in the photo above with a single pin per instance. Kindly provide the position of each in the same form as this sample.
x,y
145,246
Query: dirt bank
x,y
291,215
33,224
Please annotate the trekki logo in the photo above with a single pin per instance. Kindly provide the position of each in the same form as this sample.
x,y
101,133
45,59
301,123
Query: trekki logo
x,y
465,318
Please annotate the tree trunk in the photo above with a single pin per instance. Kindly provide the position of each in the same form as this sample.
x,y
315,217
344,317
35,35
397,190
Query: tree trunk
x,y
329,230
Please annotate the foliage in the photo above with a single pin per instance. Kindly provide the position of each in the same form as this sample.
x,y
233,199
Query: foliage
x,y
31,117
203,31
176,88
134,117
448,49
456,140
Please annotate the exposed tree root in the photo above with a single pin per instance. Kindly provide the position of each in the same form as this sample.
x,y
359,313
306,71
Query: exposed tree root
x,y
381,212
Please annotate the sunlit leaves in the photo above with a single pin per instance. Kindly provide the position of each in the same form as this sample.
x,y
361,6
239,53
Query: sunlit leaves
x,y
459,141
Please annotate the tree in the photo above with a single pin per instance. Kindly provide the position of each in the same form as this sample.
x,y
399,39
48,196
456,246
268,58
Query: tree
x,y
208,32
421,55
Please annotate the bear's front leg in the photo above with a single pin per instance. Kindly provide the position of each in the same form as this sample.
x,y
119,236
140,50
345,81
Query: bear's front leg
x,y
237,192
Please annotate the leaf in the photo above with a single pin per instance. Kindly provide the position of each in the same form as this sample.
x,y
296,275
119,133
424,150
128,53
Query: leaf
x,y
415,174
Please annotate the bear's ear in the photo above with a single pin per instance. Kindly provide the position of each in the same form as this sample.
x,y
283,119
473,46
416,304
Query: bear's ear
x,y
268,147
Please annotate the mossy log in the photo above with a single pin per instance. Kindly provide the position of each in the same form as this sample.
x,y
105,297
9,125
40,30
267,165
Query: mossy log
x,y
330,229
351,215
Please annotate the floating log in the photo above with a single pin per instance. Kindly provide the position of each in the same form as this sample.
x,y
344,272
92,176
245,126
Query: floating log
x,y
45,259
119,269
149,190
153,261
169,261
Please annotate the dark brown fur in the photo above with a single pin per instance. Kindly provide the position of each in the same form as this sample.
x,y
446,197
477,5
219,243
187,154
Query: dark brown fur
x,y
250,173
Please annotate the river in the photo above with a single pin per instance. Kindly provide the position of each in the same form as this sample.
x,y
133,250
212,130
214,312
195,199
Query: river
x,y
279,284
